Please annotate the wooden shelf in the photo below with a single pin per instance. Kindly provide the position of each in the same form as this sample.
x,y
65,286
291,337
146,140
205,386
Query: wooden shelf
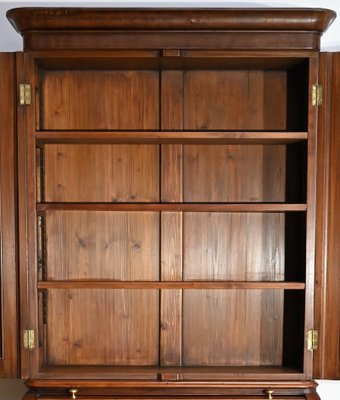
x,y
104,137
153,375
177,207
103,284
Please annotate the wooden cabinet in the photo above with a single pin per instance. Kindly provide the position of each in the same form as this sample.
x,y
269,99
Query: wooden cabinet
x,y
177,183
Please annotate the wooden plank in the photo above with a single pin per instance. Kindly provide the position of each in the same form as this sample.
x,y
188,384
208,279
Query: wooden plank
x,y
176,207
8,240
275,100
171,327
327,364
171,100
234,246
228,285
231,100
85,99
172,173
181,136
101,173
124,332
208,338
102,245
294,379
234,173
171,246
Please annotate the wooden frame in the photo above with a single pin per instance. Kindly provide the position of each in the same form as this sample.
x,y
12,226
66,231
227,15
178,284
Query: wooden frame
x,y
257,124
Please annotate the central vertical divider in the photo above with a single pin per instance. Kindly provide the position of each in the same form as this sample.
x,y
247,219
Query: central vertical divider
x,y
171,222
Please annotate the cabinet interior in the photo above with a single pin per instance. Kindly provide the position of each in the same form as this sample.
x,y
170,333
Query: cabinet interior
x,y
180,253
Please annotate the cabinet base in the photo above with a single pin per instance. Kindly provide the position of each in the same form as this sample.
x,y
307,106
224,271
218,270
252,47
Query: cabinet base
x,y
134,390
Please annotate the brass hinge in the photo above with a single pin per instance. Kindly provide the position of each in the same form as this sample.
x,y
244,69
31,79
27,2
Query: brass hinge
x,y
317,95
313,339
25,94
29,339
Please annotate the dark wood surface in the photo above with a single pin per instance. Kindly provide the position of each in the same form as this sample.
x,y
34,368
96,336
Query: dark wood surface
x,y
168,202
156,28
25,19
327,363
8,240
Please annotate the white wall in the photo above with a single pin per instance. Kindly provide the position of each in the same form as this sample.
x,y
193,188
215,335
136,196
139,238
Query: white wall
x,y
11,41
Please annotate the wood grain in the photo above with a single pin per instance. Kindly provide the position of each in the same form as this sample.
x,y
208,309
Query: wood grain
x,y
101,173
87,99
222,246
124,332
165,136
102,245
328,234
189,207
234,173
105,284
209,340
226,100
8,236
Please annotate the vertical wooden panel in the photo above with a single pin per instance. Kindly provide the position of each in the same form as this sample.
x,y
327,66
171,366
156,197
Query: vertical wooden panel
x,y
172,173
102,327
171,222
275,101
234,173
8,260
171,246
235,100
172,100
171,300
99,100
327,359
172,119
102,245
220,327
233,246
102,173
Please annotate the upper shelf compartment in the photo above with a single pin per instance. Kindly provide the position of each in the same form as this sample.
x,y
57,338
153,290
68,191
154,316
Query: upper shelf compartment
x,y
197,91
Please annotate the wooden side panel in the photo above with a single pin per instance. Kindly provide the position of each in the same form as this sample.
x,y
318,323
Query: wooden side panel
x,y
8,250
235,100
102,173
223,327
234,173
99,100
102,327
327,300
102,245
234,246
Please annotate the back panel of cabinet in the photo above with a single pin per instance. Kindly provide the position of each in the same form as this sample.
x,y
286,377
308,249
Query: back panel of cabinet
x,y
98,100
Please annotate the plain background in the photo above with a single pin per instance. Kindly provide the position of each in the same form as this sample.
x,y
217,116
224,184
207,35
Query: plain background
x,y
11,41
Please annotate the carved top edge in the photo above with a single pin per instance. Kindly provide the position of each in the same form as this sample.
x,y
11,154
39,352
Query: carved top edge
x,y
111,19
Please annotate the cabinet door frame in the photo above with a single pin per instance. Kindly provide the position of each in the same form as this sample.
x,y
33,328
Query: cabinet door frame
x,y
27,125
327,278
8,250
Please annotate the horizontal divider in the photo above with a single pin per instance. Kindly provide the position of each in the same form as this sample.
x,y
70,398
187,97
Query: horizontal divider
x,y
270,285
252,137
188,207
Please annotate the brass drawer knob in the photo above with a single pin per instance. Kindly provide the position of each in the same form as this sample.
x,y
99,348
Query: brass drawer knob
x,y
73,393
270,393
